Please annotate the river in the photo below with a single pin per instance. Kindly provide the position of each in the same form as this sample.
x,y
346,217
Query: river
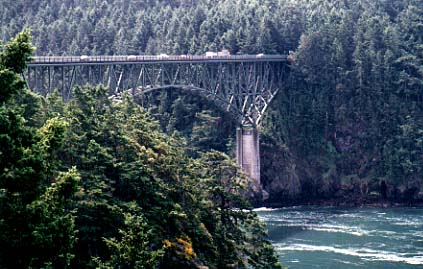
x,y
344,238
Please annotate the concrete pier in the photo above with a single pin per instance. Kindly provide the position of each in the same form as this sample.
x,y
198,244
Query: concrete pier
x,y
247,152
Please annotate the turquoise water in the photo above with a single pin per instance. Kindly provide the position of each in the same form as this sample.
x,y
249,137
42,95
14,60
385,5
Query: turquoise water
x,y
328,237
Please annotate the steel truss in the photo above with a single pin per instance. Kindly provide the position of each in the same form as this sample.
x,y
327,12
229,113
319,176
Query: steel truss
x,y
243,88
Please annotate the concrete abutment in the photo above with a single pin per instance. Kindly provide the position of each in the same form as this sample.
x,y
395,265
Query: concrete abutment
x,y
248,152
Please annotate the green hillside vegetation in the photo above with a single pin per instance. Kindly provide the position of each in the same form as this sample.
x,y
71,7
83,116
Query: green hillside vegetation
x,y
349,119
94,183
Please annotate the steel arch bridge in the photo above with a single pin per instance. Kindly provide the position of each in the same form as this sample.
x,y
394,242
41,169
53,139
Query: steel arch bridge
x,y
243,85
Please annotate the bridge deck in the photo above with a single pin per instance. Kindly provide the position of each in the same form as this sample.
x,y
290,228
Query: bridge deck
x,y
145,59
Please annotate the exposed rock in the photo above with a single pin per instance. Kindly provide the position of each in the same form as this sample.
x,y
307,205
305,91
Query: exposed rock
x,y
287,182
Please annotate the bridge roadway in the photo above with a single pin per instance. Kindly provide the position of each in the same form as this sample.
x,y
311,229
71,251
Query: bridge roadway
x,y
243,85
153,59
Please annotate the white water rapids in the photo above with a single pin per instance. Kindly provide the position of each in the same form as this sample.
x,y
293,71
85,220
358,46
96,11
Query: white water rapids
x,y
344,238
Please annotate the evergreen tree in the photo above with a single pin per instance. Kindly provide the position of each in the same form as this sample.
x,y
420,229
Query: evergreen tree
x,y
36,222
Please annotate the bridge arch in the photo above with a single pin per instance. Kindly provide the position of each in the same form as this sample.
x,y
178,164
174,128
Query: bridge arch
x,y
220,102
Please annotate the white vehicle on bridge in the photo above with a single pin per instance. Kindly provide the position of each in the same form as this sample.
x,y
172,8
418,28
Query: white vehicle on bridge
x,y
211,54
224,52
131,58
163,56
84,58
260,55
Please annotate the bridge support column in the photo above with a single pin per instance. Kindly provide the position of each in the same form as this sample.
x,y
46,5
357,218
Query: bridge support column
x,y
247,152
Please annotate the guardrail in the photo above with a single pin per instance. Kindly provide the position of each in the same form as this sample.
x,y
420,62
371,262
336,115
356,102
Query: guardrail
x,y
151,58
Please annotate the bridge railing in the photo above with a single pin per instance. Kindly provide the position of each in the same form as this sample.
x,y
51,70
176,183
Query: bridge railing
x,y
150,58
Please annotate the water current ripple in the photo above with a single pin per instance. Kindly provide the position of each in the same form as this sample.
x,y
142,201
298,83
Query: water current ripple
x,y
371,238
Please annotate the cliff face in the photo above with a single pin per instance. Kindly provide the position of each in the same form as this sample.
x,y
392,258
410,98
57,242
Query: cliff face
x,y
291,179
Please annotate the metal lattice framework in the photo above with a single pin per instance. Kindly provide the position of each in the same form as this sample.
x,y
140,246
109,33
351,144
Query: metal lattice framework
x,y
243,85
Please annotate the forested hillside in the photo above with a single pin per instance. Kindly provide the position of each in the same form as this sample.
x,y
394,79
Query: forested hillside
x,y
349,122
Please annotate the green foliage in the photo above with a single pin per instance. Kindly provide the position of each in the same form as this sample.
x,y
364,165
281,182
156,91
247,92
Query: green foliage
x,y
141,204
237,229
17,52
206,133
36,223
52,135
54,233
10,83
133,250
354,85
